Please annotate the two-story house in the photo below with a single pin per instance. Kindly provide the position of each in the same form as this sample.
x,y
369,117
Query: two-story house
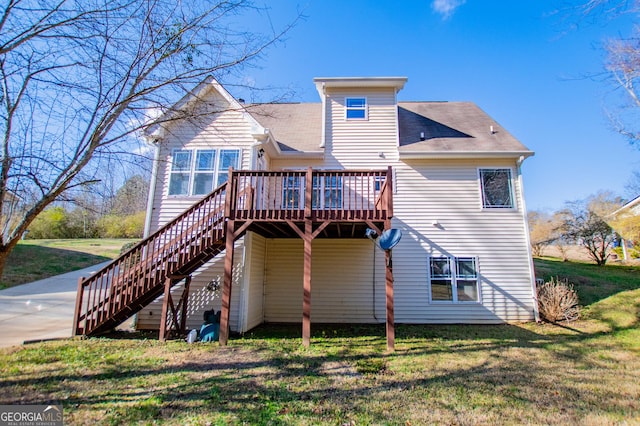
x,y
309,179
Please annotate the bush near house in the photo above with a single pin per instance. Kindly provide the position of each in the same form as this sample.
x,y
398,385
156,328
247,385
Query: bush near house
x,y
557,301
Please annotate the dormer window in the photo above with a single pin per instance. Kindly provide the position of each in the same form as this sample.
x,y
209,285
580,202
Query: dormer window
x,y
356,108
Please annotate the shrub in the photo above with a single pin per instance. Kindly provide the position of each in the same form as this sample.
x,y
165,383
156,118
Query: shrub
x,y
114,226
557,301
51,223
128,246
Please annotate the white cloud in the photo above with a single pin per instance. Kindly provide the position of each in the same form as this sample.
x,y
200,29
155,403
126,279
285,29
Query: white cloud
x,y
446,8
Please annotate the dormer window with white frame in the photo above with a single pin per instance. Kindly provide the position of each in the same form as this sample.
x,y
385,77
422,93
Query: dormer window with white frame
x,y
356,108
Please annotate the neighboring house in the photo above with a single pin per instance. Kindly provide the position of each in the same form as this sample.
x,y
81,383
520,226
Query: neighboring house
x,y
626,223
444,173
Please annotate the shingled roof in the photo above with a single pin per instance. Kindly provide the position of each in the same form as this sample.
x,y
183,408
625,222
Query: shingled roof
x,y
448,127
425,128
295,126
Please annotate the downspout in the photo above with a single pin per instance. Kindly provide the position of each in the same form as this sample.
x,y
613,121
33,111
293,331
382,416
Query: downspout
x,y
532,273
373,284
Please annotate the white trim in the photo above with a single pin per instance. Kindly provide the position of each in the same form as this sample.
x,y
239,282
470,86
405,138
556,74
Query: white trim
x,y
323,137
329,82
407,155
454,280
527,235
192,169
365,109
152,191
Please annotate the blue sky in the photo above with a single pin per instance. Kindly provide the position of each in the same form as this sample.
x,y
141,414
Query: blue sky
x,y
534,68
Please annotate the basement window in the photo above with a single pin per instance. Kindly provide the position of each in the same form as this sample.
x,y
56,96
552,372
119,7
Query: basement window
x,y
356,108
453,279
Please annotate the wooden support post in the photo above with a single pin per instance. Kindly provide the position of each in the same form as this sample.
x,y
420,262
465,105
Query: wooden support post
x,y
165,310
391,333
76,315
228,281
306,296
185,300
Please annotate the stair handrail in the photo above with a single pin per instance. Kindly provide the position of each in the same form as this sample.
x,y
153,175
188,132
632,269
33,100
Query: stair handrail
x,y
141,266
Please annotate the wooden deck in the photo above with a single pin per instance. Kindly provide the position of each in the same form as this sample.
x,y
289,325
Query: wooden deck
x,y
276,204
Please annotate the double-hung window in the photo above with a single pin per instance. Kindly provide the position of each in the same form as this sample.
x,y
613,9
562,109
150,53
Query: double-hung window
x,y
198,172
327,192
495,185
453,279
356,108
291,193
203,172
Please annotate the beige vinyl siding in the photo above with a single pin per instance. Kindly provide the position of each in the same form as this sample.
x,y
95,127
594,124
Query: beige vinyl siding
x,y
225,130
201,299
254,279
448,192
357,144
342,288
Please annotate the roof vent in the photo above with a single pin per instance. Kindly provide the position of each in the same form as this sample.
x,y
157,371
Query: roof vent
x,y
241,100
421,136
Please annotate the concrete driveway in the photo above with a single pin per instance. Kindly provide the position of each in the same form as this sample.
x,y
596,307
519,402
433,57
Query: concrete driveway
x,y
40,310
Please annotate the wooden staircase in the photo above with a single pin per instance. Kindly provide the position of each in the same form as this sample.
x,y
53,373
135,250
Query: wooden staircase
x,y
139,276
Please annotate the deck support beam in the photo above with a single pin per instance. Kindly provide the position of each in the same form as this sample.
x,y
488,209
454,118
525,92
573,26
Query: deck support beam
x,y
226,287
174,316
391,332
306,295
165,310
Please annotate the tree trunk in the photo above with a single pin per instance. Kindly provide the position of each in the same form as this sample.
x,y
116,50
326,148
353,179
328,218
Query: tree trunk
x,y
4,253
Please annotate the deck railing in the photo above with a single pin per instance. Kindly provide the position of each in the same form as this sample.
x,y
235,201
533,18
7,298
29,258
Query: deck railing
x,y
341,195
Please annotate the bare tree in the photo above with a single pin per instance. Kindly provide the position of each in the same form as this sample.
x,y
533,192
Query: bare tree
x,y
622,64
79,78
583,222
632,187
542,231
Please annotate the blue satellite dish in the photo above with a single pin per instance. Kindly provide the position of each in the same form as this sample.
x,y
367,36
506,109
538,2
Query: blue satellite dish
x,y
389,239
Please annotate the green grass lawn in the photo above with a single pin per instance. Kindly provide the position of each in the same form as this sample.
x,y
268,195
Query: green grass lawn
x,y
33,260
584,372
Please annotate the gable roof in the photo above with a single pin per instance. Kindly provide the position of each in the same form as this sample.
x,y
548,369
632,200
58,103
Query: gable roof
x,y
156,128
449,129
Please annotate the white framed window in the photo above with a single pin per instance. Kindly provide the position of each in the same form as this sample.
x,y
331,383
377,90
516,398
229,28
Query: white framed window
x,y
496,188
228,158
327,192
291,191
180,174
356,108
453,279
203,171
198,172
